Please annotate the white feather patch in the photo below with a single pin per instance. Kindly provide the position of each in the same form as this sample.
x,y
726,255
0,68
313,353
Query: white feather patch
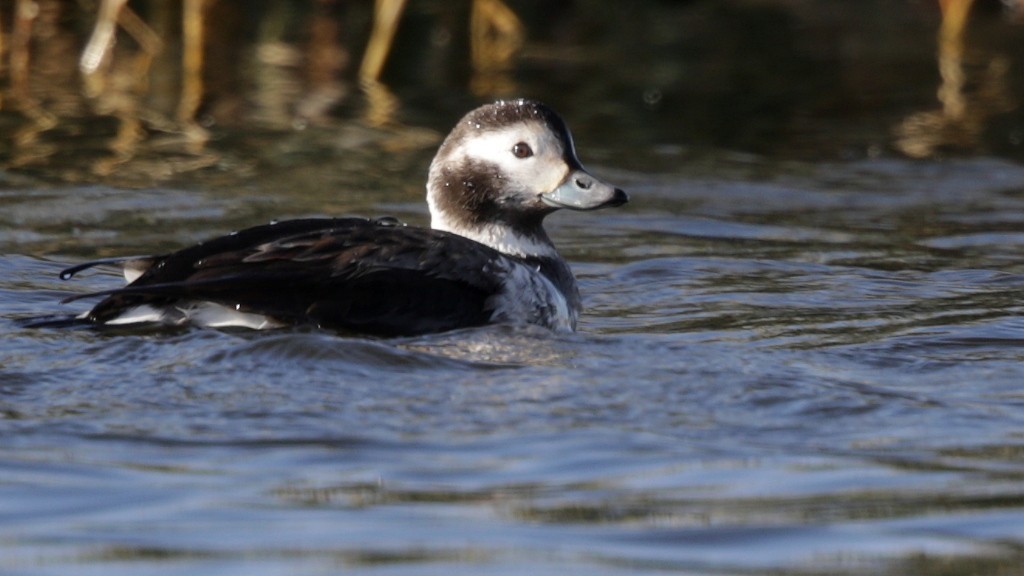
x,y
205,314
502,238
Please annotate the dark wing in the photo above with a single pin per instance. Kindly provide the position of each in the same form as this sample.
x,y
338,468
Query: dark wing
x,y
374,277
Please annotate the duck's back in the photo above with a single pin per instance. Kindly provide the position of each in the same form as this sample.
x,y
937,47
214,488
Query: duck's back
x,y
373,277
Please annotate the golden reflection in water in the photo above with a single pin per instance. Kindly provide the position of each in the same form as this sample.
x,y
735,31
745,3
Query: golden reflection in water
x,y
326,60
961,120
496,36
142,81
25,12
26,138
381,104
102,38
192,67
386,14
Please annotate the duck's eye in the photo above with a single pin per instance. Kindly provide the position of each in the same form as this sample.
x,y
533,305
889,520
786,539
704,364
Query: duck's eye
x,y
522,150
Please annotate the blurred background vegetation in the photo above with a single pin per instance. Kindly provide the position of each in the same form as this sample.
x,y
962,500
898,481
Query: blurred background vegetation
x,y
147,92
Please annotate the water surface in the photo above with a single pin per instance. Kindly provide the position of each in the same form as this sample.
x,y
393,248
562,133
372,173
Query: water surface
x,y
814,371
802,345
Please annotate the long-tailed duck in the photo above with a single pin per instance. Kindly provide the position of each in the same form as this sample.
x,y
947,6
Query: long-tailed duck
x,y
486,258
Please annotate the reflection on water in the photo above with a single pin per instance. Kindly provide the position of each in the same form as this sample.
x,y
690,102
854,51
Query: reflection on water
x,y
965,111
199,64
138,93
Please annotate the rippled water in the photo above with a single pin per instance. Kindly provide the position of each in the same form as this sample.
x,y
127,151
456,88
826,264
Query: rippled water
x,y
782,368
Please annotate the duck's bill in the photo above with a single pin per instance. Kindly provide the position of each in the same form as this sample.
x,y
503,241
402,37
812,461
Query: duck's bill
x,y
581,191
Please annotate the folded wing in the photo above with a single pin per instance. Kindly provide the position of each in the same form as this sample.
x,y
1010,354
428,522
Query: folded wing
x,y
376,277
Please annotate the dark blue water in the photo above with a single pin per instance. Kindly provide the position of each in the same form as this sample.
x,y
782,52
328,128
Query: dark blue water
x,y
786,368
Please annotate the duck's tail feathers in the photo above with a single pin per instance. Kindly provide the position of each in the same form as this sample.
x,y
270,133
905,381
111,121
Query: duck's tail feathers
x,y
132,266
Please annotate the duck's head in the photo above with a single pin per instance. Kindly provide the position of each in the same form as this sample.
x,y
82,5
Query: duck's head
x,y
502,169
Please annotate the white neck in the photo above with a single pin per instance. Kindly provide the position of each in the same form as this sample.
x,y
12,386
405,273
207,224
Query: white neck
x,y
502,238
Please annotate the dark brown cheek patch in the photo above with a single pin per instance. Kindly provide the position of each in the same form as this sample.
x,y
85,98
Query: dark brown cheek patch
x,y
469,192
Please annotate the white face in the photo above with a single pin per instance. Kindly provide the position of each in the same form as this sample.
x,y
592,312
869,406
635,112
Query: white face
x,y
528,154
505,167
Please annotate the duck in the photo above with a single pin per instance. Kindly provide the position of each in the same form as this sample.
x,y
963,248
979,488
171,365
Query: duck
x,y
486,258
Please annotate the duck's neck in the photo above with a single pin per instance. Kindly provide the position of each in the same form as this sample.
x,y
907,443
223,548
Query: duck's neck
x,y
534,249
502,237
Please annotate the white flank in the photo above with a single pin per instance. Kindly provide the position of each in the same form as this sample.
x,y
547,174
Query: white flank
x,y
139,315
132,269
205,314
219,316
